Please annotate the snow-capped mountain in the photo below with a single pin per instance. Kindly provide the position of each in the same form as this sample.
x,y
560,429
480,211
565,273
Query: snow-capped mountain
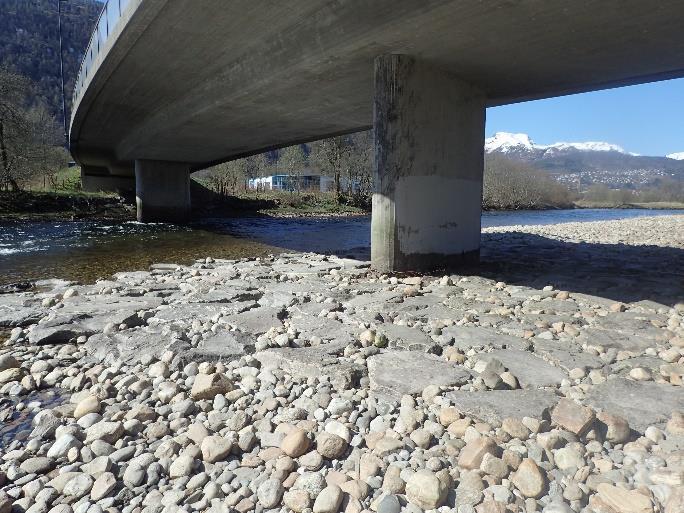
x,y
506,142
592,162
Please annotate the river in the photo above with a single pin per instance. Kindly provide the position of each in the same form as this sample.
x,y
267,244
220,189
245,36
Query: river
x,y
87,250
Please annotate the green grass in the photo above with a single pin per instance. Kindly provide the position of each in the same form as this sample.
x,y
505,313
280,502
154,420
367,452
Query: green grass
x,y
66,182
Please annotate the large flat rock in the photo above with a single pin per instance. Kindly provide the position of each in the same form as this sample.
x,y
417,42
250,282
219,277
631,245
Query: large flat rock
x,y
530,370
327,329
129,345
178,313
257,320
495,405
309,362
466,337
405,337
396,373
642,403
609,339
566,355
20,310
224,346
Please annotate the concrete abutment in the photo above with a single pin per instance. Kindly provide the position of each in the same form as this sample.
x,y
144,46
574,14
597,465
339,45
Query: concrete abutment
x,y
98,180
162,191
429,160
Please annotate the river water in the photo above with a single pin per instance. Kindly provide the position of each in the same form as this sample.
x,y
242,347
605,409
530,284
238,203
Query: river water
x,y
87,250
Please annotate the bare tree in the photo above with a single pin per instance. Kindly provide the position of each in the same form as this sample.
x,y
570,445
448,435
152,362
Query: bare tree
x,y
330,156
359,171
14,127
29,136
510,184
293,161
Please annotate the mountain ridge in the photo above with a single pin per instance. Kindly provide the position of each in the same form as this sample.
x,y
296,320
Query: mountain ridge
x,y
588,162
29,44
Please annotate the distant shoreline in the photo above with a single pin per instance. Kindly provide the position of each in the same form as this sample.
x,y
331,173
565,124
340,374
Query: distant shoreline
x,y
32,206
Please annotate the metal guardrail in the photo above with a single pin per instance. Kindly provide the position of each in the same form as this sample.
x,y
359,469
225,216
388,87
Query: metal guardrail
x,y
106,22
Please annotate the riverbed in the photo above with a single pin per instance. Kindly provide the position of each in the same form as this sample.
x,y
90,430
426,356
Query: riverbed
x,y
207,386
86,250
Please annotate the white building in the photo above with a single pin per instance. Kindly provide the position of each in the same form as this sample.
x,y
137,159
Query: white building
x,y
292,183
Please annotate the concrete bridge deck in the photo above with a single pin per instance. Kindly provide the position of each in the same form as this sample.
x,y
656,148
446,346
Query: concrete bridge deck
x,y
171,86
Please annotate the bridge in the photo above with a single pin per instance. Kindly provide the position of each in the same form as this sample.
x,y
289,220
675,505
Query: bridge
x,y
168,87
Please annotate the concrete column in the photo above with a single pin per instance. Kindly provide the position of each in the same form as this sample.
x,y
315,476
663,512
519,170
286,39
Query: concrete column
x,y
92,180
162,191
429,161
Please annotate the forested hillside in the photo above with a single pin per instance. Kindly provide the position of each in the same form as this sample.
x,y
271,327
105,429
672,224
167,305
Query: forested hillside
x,y
29,43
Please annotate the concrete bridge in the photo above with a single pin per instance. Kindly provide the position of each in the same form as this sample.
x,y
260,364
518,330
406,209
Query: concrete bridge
x,y
172,86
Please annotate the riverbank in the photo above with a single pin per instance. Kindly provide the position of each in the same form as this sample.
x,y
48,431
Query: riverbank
x,y
63,206
654,205
312,383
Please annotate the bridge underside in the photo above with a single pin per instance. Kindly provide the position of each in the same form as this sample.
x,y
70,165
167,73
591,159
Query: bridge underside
x,y
201,85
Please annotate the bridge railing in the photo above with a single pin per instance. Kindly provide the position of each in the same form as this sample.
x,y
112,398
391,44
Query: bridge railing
x,y
106,23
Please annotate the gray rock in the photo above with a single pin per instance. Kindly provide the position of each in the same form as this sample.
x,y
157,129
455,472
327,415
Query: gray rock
x,y
109,432
257,320
329,500
37,465
389,504
308,362
326,329
224,346
103,486
269,493
78,486
403,337
5,503
466,337
312,482
495,405
642,404
20,310
530,370
396,373
59,334
62,446
129,345
8,361
134,476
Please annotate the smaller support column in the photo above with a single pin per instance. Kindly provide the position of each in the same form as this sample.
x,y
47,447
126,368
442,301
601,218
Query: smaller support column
x,y
98,180
162,191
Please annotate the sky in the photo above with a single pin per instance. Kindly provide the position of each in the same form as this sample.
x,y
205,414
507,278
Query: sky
x,y
646,119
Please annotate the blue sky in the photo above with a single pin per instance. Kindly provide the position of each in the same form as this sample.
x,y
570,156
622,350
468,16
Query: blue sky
x,y
647,119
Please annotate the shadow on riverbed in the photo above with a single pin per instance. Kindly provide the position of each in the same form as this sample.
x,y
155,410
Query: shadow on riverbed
x,y
618,272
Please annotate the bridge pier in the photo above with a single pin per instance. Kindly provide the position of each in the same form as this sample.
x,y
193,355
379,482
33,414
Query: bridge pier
x,y
162,191
429,160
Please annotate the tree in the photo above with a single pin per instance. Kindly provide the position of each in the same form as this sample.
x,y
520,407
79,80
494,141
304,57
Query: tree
x,y
29,136
47,154
360,167
510,184
293,161
14,127
226,177
330,156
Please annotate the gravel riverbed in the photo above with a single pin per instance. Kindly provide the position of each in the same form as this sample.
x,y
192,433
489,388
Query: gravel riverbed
x,y
549,379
